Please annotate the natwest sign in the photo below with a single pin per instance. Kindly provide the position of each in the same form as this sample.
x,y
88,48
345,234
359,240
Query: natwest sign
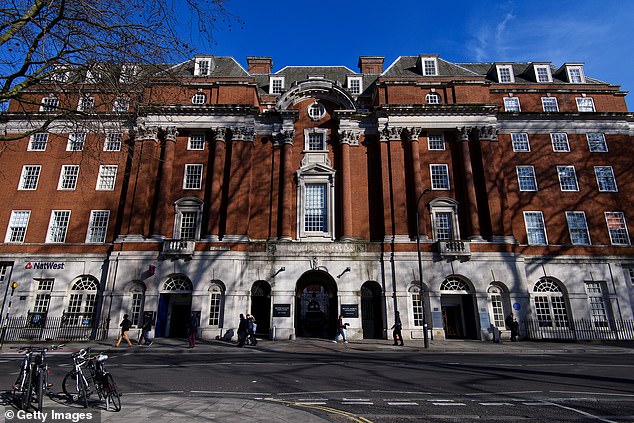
x,y
44,265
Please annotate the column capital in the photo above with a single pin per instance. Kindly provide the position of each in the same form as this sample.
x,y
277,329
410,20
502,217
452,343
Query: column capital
x,y
170,133
220,133
243,133
283,137
144,132
390,133
463,133
489,133
414,133
349,137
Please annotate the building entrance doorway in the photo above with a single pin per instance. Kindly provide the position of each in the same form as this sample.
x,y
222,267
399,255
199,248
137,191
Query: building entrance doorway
x,y
372,311
458,309
174,308
261,307
316,305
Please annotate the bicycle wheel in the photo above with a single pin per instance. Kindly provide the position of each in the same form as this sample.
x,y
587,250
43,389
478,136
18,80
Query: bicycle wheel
x,y
25,399
113,398
75,388
41,380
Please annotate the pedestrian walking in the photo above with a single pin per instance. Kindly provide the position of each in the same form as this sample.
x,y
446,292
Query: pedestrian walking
x,y
251,326
242,331
341,330
513,325
125,325
192,330
396,329
145,332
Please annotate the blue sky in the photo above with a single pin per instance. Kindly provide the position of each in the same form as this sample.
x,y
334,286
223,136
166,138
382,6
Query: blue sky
x,y
598,33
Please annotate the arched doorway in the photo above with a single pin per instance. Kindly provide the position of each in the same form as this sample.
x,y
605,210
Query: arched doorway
x,y
316,305
372,311
175,307
261,307
458,309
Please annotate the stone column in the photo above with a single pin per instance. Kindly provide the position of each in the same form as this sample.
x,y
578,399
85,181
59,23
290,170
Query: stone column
x,y
165,204
217,183
286,139
472,200
346,139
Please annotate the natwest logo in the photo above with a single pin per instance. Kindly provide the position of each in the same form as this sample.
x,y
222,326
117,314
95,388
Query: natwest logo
x,y
44,265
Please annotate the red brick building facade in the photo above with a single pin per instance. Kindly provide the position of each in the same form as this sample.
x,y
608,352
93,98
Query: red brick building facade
x,y
296,195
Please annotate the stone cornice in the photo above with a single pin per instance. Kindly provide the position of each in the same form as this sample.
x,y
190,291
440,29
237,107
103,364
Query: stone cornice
x,y
206,110
436,110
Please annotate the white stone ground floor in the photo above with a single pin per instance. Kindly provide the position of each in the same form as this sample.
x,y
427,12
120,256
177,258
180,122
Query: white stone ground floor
x,y
298,290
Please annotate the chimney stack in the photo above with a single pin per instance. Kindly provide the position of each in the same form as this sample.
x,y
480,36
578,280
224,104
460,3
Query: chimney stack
x,y
371,64
259,65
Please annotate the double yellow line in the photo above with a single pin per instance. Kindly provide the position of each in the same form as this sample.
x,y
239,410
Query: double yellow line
x,y
350,416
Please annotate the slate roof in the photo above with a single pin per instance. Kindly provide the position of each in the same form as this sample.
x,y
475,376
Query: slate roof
x,y
224,67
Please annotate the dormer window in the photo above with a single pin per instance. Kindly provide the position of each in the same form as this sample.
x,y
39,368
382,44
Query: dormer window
x,y
128,73
86,104
202,66
575,74
429,66
354,85
49,104
93,76
505,74
276,85
543,74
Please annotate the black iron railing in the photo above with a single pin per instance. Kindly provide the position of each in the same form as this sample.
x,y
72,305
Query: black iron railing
x,y
580,330
39,327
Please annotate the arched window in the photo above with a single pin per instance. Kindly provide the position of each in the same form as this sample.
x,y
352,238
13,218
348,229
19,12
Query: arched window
x,y
188,218
550,304
178,283
498,304
136,295
81,303
417,305
316,111
453,283
432,98
216,303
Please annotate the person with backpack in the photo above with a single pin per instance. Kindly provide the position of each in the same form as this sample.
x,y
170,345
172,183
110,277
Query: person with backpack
x,y
125,325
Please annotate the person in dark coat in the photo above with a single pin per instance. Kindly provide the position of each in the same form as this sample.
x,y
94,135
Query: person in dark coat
x,y
341,330
242,330
396,332
126,324
192,330
513,325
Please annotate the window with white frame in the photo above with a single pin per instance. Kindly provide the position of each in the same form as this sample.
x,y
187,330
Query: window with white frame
x,y
136,294
193,178
43,295
578,228
550,104
316,208
316,141
18,223
550,304
86,104
497,300
120,105
81,303
567,178
439,176
128,73
630,272
430,67
575,74
535,228
543,74
107,178
559,142
505,74
68,177
597,143
526,178
76,141
29,177
596,300
432,98
417,305
188,218
98,226
605,178
617,228
276,85
196,141
444,219
199,98
49,104
216,296
113,141
58,226
443,225
316,111
436,141
512,104
520,142
203,66
354,85
585,104
38,141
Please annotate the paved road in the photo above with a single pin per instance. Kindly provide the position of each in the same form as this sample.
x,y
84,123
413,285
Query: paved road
x,y
317,381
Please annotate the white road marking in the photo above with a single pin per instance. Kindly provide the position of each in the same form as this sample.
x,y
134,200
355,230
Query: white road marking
x,y
448,403
357,403
402,403
495,404
580,412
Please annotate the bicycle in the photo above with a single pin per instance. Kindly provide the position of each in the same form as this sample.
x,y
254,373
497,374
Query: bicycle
x,y
76,386
32,381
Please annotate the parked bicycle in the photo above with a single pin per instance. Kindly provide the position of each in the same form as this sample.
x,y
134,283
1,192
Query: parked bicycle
x,y
32,382
77,384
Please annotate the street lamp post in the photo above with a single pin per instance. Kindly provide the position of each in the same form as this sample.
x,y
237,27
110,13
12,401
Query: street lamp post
x,y
420,270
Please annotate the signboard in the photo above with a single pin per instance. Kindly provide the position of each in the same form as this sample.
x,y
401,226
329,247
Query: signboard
x,y
281,310
350,310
